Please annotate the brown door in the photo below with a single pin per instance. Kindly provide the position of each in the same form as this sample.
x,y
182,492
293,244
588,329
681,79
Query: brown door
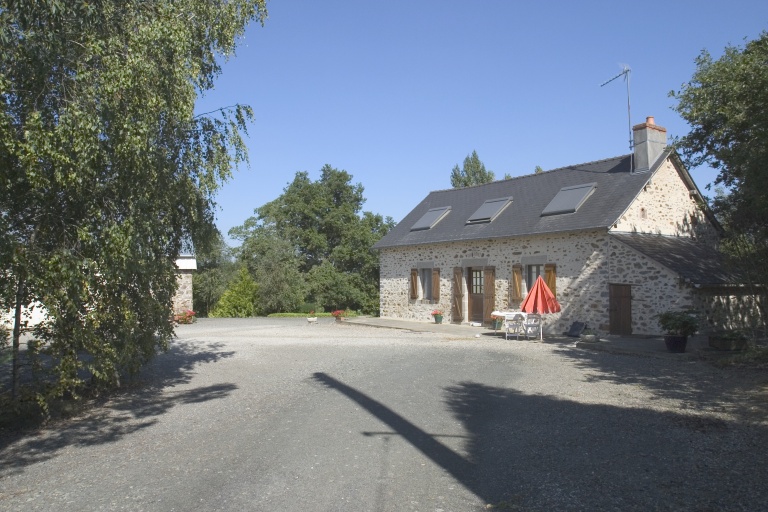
x,y
620,309
475,285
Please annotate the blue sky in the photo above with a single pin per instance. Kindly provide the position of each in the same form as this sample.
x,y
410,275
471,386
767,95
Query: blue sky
x,y
398,92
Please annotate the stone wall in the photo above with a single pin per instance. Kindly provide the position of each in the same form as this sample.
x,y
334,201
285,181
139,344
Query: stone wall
x,y
586,264
665,206
182,301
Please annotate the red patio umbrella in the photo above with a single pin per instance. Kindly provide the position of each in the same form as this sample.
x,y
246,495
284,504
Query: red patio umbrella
x,y
541,300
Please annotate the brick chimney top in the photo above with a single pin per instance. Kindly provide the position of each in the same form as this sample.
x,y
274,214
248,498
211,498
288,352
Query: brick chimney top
x,y
650,140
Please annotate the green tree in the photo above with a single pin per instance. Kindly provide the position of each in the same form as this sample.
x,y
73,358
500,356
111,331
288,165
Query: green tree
x,y
106,169
239,299
471,173
725,105
273,262
329,235
215,270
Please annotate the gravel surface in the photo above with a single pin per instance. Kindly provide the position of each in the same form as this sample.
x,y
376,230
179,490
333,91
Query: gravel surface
x,y
280,415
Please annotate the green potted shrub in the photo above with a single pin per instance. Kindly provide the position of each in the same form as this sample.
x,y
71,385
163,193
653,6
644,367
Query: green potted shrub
x,y
678,325
589,335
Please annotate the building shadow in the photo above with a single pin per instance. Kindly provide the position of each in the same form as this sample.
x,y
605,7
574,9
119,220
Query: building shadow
x,y
535,452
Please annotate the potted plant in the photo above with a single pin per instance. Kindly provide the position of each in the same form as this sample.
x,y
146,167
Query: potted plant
x,y
438,316
678,325
185,317
589,335
312,318
497,321
339,315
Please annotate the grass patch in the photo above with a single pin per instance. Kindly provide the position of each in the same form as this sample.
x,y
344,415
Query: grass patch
x,y
350,314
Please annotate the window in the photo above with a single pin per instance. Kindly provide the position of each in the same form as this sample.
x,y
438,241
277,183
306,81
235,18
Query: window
x,y
532,272
489,210
424,284
431,218
476,282
425,278
548,273
569,199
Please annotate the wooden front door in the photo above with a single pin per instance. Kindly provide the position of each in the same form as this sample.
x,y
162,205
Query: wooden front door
x,y
476,287
620,306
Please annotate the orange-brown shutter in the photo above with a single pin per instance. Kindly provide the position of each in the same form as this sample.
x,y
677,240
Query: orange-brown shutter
x,y
436,284
414,284
458,295
550,277
489,293
516,292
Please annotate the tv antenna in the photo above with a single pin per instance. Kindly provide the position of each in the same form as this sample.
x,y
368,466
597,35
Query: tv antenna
x,y
625,72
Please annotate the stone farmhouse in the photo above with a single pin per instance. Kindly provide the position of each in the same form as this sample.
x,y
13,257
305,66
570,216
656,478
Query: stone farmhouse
x,y
617,240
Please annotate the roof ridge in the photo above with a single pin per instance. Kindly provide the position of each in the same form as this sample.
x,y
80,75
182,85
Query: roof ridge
x,y
534,173
618,157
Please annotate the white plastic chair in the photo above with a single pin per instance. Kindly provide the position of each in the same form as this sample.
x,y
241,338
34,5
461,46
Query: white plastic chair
x,y
532,325
514,326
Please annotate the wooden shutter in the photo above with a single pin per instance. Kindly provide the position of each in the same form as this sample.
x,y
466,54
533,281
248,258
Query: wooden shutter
x,y
436,285
516,286
458,295
414,285
489,292
550,277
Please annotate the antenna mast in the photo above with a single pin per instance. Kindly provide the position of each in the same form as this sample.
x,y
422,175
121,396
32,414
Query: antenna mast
x,y
625,72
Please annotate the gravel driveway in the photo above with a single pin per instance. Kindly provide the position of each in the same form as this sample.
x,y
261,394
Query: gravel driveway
x,y
279,415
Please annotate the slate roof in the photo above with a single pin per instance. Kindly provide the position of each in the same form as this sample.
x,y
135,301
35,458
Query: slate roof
x,y
615,190
697,263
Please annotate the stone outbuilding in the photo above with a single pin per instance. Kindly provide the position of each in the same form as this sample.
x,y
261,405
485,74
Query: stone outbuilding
x,y
617,240
183,300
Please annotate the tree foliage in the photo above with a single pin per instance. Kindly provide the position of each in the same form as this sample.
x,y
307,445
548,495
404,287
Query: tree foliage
x,y
239,299
472,172
316,240
106,170
215,270
726,105
273,262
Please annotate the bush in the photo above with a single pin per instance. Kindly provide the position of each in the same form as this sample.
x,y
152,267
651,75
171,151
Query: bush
x,y
679,323
239,300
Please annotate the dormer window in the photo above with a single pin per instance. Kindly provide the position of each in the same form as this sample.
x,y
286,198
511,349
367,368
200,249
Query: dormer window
x,y
431,218
489,210
569,199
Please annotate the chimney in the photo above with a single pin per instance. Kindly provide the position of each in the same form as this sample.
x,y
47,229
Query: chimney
x,y
649,142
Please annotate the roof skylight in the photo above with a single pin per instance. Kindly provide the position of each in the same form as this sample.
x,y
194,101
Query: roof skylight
x,y
489,210
432,217
569,199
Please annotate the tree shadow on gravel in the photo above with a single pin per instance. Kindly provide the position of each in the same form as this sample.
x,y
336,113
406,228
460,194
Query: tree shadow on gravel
x,y
699,386
131,409
535,452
